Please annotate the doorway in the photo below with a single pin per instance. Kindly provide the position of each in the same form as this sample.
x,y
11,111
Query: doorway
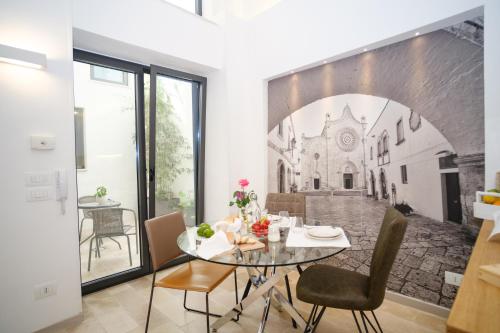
x,y
348,180
453,203
129,118
281,177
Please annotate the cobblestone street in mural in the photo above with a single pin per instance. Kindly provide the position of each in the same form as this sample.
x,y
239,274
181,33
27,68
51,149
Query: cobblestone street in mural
x,y
429,248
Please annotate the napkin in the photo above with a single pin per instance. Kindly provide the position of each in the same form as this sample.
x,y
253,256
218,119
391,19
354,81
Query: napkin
x,y
215,245
300,239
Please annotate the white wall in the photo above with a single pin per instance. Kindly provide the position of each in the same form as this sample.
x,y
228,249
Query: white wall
x,y
149,31
38,244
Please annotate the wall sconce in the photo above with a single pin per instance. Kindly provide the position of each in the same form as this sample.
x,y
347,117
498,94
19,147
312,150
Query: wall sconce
x,y
15,56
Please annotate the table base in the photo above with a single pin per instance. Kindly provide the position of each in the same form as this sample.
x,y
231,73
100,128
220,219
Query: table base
x,y
265,287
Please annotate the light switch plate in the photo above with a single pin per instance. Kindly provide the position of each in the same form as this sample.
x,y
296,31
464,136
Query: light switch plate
x,y
45,290
39,193
43,142
453,278
38,178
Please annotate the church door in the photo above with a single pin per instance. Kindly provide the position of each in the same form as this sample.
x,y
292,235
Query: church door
x,y
348,181
383,184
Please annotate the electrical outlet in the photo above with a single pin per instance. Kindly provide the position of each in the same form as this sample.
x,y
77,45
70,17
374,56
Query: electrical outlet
x,y
453,278
45,290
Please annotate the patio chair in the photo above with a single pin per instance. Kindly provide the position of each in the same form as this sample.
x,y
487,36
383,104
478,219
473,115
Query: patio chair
x,y
333,287
108,223
293,203
85,211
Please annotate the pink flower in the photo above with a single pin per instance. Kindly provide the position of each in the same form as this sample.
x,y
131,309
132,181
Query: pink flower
x,y
239,195
244,182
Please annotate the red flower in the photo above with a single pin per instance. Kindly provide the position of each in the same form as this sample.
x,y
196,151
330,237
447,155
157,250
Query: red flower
x,y
244,182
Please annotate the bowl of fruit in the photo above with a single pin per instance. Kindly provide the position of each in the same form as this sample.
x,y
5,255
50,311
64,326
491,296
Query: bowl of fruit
x,y
487,203
205,230
260,228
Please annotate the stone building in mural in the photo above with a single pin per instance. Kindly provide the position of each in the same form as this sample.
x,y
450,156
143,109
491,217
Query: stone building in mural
x,y
283,159
334,159
410,161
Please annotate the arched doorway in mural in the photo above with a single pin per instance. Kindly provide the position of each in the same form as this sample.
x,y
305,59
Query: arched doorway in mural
x,y
281,177
383,184
288,179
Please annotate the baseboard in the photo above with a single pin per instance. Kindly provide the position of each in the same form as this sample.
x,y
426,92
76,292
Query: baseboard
x,y
417,304
62,324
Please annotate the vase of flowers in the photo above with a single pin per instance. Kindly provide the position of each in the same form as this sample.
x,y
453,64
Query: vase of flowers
x,y
242,199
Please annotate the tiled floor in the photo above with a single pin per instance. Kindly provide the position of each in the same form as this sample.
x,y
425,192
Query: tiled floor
x,y
429,248
122,309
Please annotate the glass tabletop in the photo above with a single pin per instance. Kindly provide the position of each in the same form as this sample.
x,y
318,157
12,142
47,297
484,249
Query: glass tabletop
x,y
95,205
273,254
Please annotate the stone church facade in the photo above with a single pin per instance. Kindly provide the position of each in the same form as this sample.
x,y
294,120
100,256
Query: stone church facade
x,y
334,160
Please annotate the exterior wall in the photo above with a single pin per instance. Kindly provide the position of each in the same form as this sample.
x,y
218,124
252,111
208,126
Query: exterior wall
x,y
109,127
418,151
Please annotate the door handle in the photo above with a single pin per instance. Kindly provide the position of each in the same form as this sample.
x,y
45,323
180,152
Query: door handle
x,y
151,175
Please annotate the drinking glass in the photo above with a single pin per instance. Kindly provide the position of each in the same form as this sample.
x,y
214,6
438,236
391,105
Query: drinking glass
x,y
283,214
299,224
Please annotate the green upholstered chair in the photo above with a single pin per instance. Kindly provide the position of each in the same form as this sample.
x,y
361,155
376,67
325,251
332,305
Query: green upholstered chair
x,y
327,286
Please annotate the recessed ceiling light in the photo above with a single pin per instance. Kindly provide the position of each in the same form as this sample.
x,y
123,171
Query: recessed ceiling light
x,y
417,33
365,49
292,72
324,61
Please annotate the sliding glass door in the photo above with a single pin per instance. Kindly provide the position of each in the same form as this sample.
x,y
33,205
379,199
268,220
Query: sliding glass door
x,y
139,154
175,144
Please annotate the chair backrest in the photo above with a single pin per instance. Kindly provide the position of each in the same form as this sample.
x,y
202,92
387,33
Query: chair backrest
x,y
107,221
294,203
162,235
387,246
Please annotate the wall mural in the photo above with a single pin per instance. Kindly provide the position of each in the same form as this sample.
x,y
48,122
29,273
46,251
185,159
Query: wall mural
x,y
401,125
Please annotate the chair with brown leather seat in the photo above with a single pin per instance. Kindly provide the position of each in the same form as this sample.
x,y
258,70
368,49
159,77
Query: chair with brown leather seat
x,y
327,286
196,275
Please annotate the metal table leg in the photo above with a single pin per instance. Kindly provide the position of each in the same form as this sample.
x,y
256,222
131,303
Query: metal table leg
x,y
265,287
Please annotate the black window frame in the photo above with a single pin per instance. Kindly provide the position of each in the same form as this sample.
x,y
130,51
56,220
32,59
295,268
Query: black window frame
x,y
400,139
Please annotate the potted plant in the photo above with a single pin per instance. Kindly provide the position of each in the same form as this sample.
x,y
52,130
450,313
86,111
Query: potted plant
x,y
101,195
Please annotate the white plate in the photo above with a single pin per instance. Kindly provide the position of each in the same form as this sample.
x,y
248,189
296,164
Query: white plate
x,y
323,238
324,232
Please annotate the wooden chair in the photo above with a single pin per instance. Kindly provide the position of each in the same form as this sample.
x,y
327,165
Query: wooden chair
x,y
328,286
196,275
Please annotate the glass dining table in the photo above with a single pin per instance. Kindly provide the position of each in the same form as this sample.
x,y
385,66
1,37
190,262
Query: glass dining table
x,y
274,258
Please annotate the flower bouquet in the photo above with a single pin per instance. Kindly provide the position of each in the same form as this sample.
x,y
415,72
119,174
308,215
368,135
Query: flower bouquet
x,y
242,199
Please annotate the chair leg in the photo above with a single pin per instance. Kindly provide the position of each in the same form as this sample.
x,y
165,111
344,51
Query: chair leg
x,y
117,242
207,312
313,312
289,294
247,289
364,322
196,311
318,318
90,253
364,316
236,292
356,320
129,253
80,229
299,269
150,301
376,320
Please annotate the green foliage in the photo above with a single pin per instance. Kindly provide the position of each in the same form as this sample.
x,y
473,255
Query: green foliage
x,y
101,191
172,148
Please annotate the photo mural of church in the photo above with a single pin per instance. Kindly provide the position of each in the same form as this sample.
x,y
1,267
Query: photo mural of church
x,y
402,125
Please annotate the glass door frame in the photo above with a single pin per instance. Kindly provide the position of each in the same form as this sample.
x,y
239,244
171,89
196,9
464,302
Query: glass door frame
x,y
138,71
199,104
199,111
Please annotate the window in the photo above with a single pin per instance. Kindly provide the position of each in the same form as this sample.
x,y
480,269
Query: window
x,y
383,148
280,128
193,6
371,153
385,141
399,130
109,75
404,175
80,139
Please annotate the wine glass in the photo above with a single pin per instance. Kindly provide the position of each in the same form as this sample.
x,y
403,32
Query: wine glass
x,y
299,224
